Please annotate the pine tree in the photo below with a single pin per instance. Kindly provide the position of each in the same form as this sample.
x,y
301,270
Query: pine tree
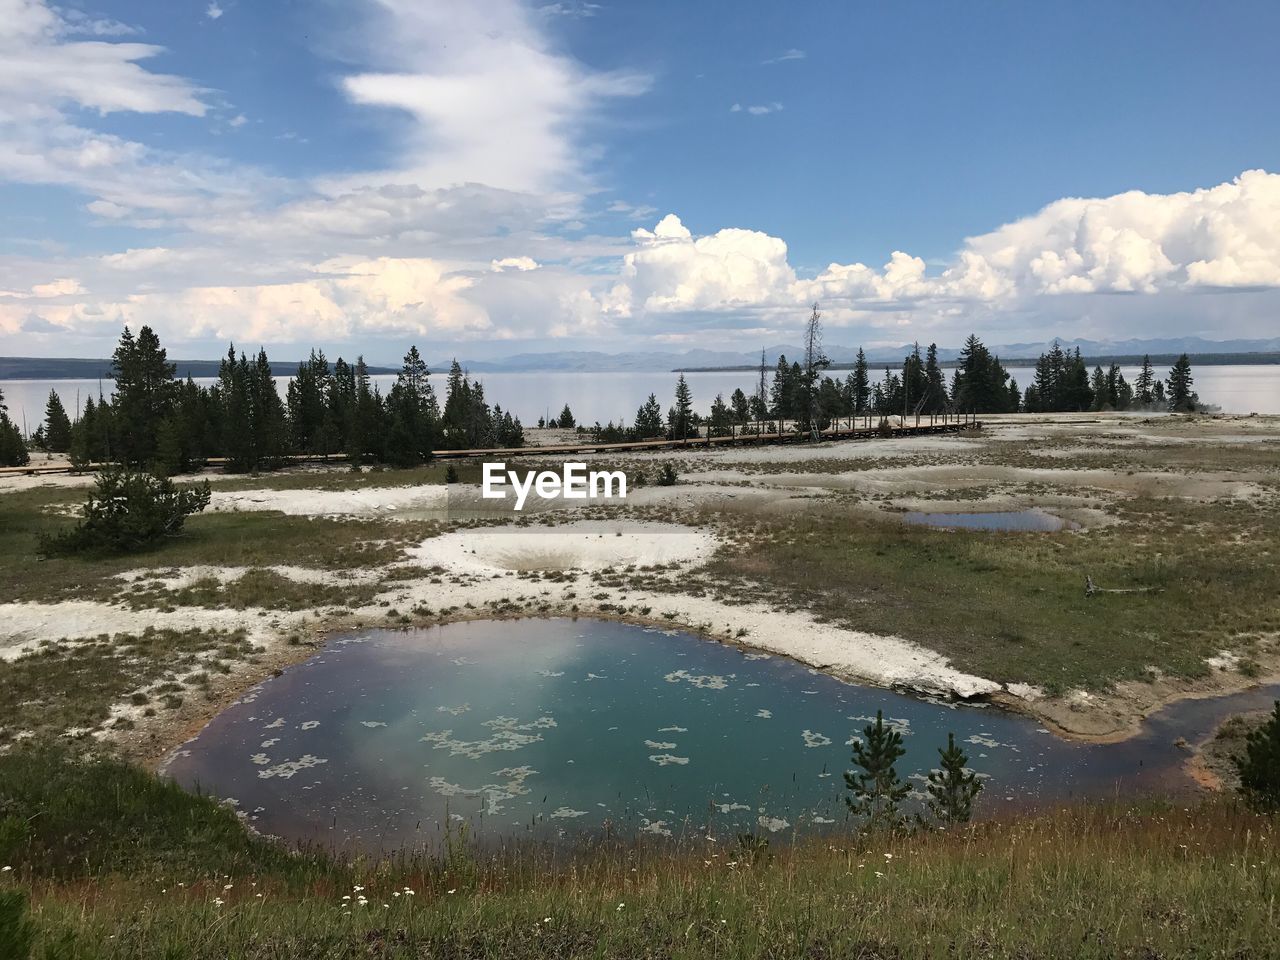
x,y
721,418
861,384
782,391
1144,386
935,387
681,417
566,419
57,433
741,407
144,395
877,791
649,419
1259,767
952,789
13,450
1181,398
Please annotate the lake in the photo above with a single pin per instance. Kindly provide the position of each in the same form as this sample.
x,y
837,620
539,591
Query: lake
x,y
615,396
558,729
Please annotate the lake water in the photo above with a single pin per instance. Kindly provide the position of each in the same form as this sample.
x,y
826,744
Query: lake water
x,y
554,729
615,396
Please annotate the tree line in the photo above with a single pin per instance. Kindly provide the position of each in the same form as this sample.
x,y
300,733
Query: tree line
x,y
156,422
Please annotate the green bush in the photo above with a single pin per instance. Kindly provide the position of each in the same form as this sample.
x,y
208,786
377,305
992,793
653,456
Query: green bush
x,y
17,933
1259,767
127,512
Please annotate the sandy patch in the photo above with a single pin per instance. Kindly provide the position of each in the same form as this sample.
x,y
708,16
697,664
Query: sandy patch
x,y
583,545
368,501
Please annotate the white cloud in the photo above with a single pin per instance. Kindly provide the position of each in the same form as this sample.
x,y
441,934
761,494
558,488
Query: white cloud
x,y
495,104
792,54
756,109
213,11
1226,236
523,264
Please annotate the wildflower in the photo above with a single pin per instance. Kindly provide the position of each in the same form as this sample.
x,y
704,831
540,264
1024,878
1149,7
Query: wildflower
x,y
452,891
217,901
5,869
226,888
546,920
357,889
621,905
408,892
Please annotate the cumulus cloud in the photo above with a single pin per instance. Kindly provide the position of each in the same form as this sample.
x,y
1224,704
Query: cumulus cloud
x,y
1223,237
523,264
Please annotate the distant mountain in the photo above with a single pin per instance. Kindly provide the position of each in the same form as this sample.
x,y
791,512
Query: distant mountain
x,y
75,368
583,361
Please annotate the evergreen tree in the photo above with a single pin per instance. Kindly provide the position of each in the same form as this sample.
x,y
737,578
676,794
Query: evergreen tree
x,y
877,790
721,418
935,386
649,419
1144,386
782,391
741,407
13,450
980,380
1098,387
1259,766
861,384
1181,398
307,401
57,433
413,416
680,419
915,382
952,789
566,421
144,395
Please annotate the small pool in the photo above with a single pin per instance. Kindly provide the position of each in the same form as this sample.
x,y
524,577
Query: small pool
x,y
558,729
1033,520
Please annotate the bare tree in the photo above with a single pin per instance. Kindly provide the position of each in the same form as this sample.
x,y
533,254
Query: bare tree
x,y
815,361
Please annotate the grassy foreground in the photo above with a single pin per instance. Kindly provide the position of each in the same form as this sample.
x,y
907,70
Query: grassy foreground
x,y
107,861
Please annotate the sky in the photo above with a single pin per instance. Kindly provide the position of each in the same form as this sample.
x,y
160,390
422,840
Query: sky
x,y
491,177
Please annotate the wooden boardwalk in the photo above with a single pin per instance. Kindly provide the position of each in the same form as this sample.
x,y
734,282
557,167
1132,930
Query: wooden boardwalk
x,y
747,438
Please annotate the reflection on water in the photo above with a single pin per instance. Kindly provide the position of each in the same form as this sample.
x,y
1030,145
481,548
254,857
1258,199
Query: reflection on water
x,y
553,728
1035,520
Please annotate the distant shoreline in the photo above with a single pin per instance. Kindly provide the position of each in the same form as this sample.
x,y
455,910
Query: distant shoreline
x,y
1124,360
74,368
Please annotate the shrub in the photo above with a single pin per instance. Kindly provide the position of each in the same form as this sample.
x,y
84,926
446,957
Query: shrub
x,y
127,512
1259,767
667,476
17,933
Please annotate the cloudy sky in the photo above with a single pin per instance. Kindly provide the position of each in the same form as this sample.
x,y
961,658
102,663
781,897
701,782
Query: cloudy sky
x,y
493,176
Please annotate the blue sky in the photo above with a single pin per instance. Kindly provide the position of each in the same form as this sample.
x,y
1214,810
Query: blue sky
x,y
498,176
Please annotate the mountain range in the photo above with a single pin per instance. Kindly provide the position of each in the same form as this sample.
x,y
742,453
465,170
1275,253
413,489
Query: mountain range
x,y
571,361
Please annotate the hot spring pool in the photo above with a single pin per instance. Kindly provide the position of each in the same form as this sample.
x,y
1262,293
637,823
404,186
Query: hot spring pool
x,y
551,729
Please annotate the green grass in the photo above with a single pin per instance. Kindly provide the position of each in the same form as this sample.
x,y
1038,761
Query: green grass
x,y
263,589
1011,606
59,687
251,539
117,864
